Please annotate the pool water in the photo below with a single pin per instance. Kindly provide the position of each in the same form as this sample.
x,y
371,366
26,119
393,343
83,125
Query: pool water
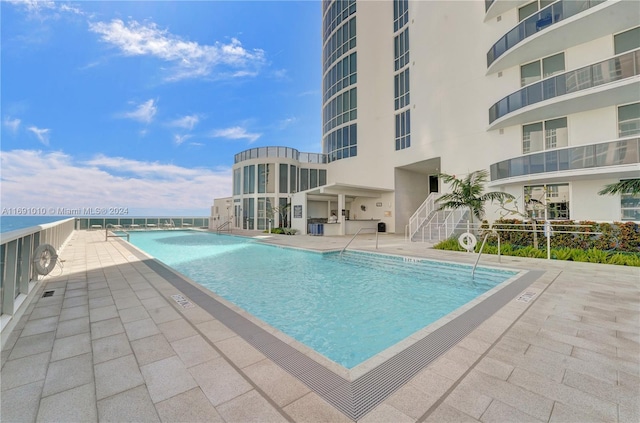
x,y
347,308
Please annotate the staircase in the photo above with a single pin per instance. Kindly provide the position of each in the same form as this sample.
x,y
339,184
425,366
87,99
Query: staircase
x,y
431,225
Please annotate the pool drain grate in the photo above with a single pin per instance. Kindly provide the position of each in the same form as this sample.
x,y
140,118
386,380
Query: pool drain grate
x,y
48,294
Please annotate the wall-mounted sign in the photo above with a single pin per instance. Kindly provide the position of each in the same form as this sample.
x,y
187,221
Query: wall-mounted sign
x,y
297,212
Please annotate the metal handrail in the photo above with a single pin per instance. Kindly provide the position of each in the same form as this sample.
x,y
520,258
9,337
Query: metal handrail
x,y
356,234
225,224
484,241
113,235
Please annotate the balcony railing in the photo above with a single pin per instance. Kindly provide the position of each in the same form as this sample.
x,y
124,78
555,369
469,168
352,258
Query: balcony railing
x,y
537,22
613,153
620,67
282,152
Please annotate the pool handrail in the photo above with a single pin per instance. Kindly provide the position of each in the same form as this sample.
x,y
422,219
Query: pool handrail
x,y
114,235
484,241
356,234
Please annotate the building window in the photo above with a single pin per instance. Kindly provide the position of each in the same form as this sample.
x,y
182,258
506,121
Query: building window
x,y
535,71
545,135
237,181
322,177
531,8
343,40
293,179
627,41
401,50
265,212
337,13
400,14
283,181
629,120
341,109
249,179
341,143
342,75
401,89
630,206
304,179
248,213
266,178
403,130
557,201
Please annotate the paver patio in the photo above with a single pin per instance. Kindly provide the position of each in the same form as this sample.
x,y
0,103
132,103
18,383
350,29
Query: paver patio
x,y
110,344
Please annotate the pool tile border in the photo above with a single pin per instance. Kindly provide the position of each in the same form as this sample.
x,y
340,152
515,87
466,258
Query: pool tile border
x,y
353,398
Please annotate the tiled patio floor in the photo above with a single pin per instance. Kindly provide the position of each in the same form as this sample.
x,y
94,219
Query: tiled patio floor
x,y
111,345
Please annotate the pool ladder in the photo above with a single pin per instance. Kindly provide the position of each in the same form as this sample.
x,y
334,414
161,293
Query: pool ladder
x,y
113,235
484,241
356,234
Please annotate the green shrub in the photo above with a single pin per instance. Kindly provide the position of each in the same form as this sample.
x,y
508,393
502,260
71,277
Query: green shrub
x,y
450,244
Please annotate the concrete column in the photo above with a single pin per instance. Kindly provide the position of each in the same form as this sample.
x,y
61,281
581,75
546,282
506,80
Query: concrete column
x,y
341,206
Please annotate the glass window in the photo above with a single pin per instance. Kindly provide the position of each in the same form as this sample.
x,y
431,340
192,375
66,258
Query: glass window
x,y
552,65
556,201
401,89
322,177
534,71
527,10
304,179
293,173
283,184
545,135
629,120
237,181
626,41
555,133
529,73
532,138
403,130
630,206
249,179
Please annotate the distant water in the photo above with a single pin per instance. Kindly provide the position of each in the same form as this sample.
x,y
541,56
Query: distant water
x,y
11,223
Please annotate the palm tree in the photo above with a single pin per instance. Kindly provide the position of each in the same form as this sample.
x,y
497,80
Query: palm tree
x,y
468,193
627,186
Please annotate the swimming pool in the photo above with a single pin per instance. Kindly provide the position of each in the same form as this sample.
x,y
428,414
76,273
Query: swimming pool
x,y
346,308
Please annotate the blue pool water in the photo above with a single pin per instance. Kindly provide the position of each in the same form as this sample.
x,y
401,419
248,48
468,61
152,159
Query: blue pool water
x,y
346,308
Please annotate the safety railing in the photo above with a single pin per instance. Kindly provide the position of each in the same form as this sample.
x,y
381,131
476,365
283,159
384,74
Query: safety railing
x,y
109,232
139,223
225,226
17,274
550,15
623,66
356,234
424,212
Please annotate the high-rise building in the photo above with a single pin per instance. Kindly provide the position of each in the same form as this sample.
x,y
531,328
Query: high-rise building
x,y
545,95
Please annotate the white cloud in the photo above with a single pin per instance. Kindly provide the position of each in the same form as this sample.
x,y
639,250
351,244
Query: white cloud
x,y
143,113
186,122
34,6
41,133
235,133
286,122
12,124
52,178
190,59
179,139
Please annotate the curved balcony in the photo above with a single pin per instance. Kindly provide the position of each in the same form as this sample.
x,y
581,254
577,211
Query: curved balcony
x,y
562,24
493,8
580,88
279,152
583,159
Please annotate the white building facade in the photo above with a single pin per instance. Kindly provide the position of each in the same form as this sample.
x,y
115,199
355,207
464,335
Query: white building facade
x,y
545,95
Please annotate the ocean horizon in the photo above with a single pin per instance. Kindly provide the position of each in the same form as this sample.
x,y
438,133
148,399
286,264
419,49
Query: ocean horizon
x,y
12,223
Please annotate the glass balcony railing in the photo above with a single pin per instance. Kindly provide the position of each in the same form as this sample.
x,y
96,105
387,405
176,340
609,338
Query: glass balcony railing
x,y
282,152
537,22
620,67
614,153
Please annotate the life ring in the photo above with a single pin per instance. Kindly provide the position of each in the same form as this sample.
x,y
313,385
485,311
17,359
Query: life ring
x,y
44,259
467,241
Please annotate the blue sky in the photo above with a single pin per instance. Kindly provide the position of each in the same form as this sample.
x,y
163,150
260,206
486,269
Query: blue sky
x,y
142,104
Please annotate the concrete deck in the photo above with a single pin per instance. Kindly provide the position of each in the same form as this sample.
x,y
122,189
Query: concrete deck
x,y
111,344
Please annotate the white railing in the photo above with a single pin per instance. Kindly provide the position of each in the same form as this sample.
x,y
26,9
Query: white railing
x,y
424,212
441,225
17,274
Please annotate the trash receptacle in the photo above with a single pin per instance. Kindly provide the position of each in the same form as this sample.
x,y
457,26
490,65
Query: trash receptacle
x,y
382,227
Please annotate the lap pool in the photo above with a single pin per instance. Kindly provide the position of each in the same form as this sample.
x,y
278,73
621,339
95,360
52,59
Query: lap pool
x,y
347,308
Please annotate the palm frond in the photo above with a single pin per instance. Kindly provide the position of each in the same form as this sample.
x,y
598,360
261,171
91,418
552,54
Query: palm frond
x,y
627,186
